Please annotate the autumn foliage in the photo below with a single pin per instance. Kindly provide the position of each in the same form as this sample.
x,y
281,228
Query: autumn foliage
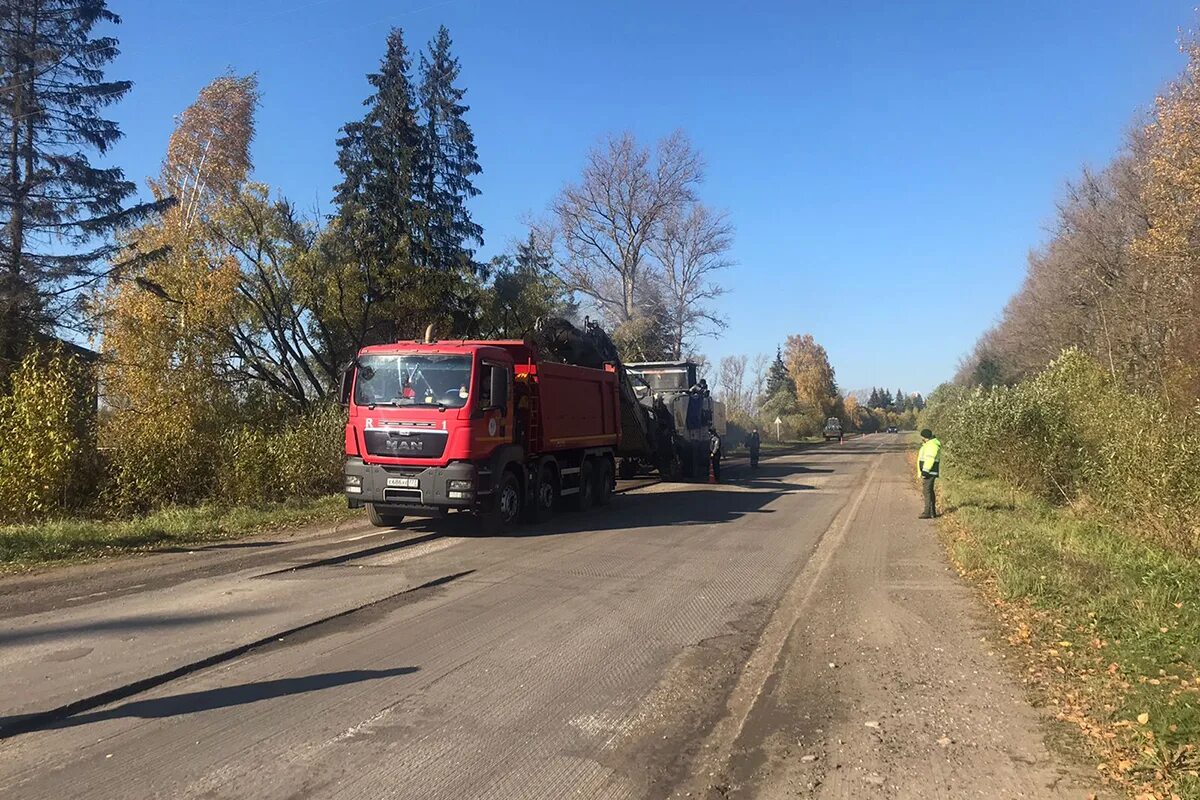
x,y
1119,279
224,320
47,436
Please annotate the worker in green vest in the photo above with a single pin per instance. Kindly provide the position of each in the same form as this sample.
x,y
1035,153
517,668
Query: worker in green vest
x,y
929,465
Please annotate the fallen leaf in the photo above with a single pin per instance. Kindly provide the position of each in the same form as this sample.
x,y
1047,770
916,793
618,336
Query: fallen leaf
x,y
1143,718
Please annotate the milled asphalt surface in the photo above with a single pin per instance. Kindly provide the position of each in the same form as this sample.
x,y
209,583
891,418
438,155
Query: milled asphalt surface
x,y
671,643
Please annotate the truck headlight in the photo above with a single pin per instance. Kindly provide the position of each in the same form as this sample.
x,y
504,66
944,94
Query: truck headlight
x,y
460,486
354,480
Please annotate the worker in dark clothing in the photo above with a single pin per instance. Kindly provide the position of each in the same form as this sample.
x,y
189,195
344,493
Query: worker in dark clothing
x,y
714,454
753,441
929,463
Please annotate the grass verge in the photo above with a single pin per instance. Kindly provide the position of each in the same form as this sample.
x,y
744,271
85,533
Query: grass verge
x,y
23,547
1107,626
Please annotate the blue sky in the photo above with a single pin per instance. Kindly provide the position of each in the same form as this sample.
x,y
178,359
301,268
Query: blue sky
x,y
888,165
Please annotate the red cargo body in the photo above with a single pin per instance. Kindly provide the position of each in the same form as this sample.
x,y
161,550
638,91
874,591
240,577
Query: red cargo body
x,y
572,406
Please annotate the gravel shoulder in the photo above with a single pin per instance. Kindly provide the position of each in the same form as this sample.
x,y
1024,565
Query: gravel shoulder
x,y
888,684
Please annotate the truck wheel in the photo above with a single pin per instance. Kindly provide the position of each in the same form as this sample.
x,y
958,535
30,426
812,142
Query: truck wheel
x,y
545,495
383,519
604,482
674,469
583,500
506,505
627,470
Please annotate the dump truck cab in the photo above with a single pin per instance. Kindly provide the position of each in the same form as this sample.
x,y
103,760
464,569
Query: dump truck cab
x,y
484,426
424,423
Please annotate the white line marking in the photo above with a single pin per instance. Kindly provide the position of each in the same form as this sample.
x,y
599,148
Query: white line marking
x,y
86,596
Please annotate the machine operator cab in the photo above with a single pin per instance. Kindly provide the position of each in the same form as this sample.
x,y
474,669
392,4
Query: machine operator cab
x,y
678,386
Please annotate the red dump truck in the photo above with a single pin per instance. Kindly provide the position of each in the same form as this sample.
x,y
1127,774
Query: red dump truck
x,y
481,426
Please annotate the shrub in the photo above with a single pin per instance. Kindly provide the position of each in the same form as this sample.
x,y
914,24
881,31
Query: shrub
x,y
301,459
47,436
158,457
1074,433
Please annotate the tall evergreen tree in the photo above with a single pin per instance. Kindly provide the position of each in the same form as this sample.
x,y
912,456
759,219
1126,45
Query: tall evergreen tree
x,y
778,378
58,212
446,163
377,157
874,401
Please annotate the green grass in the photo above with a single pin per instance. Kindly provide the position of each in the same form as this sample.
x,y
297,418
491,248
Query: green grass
x,y
65,541
1068,576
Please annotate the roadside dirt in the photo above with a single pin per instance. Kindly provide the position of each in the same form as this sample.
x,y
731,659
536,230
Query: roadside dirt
x,y
887,684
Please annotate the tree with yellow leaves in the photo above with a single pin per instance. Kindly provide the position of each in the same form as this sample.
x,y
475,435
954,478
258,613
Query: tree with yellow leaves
x,y
164,342
809,368
1169,248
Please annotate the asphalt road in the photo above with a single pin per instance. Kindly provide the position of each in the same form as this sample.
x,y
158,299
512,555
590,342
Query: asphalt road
x,y
730,640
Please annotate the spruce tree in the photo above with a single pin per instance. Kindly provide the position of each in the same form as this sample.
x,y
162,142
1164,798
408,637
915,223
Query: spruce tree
x,y
58,212
377,157
778,377
446,163
873,402
778,373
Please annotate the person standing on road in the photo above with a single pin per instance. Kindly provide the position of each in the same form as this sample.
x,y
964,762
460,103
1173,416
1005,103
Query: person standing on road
x,y
714,454
929,466
753,442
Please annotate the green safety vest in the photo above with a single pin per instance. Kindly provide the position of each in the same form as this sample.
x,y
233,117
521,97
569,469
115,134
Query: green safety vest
x,y
929,458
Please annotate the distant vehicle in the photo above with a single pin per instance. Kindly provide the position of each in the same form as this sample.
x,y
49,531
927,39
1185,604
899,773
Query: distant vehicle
x,y
833,429
893,429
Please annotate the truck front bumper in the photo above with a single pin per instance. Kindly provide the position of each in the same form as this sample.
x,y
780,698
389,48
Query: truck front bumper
x,y
413,490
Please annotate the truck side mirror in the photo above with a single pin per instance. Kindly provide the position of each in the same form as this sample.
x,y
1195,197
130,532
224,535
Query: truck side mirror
x,y
346,386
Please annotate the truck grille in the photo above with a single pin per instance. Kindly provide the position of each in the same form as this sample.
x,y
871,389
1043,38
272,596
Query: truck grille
x,y
404,444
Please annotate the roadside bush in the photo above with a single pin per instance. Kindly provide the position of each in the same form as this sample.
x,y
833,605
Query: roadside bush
x,y
157,457
47,436
1075,434
301,459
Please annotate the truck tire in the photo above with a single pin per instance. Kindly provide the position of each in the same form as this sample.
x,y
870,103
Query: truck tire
x,y
540,506
628,469
586,496
604,482
506,505
383,519
673,470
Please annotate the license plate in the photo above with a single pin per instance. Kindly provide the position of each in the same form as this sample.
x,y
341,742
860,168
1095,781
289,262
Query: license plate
x,y
404,483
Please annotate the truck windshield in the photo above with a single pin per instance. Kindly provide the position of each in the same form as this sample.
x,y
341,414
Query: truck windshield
x,y
413,380
665,380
